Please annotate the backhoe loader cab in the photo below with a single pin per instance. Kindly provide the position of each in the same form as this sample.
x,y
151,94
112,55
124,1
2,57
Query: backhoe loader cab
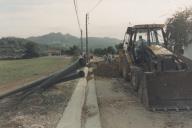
x,y
162,80
139,37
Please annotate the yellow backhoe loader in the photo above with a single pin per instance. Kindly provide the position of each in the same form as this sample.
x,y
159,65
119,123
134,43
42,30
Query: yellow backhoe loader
x,y
161,79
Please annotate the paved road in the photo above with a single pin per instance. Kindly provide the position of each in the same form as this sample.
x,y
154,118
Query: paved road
x,y
119,108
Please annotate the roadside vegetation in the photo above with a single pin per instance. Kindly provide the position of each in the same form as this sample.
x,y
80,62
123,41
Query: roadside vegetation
x,y
22,71
73,50
109,50
18,48
104,51
179,27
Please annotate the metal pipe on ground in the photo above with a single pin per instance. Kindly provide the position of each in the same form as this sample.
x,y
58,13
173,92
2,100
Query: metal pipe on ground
x,y
57,77
48,81
72,76
27,87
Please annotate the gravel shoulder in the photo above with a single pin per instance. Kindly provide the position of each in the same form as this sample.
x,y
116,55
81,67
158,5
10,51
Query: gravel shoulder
x,y
39,110
120,108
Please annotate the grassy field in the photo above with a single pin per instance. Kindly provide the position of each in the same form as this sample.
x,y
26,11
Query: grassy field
x,y
22,71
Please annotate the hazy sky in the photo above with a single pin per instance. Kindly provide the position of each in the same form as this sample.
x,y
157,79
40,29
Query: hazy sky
x,y
25,18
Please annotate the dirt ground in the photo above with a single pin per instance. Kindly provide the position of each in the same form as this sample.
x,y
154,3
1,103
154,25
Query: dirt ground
x,y
120,108
39,110
106,69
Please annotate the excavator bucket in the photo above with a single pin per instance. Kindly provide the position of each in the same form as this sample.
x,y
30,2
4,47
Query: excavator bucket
x,y
167,90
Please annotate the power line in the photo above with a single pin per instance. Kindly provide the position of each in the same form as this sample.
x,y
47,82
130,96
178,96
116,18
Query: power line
x,y
78,21
76,11
87,16
94,7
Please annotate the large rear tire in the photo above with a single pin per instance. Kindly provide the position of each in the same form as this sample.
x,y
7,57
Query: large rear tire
x,y
135,80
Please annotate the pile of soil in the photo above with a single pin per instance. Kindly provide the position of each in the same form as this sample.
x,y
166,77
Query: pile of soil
x,y
105,69
39,110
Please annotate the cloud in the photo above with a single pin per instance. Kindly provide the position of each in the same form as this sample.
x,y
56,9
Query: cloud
x,y
25,18
23,5
33,17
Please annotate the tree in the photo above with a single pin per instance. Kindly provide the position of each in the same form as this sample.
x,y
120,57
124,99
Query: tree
x,y
31,50
99,51
111,50
178,25
119,46
74,50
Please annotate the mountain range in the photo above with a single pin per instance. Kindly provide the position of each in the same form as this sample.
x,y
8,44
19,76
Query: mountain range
x,y
67,40
14,47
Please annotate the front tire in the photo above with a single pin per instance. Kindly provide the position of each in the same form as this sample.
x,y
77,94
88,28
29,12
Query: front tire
x,y
125,72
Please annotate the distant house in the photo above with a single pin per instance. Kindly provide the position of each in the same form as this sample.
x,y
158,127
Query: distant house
x,y
54,52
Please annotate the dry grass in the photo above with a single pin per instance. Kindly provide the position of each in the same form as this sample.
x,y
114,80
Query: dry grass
x,y
14,71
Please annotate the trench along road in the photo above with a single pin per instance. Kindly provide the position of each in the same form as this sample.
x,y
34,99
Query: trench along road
x,y
120,108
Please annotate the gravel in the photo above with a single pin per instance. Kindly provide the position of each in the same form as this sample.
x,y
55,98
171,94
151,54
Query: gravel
x,y
39,110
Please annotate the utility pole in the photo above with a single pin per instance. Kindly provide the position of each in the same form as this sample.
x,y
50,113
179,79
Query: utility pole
x,y
87,49
81,41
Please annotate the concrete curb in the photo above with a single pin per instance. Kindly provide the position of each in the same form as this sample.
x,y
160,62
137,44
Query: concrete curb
x,y
93,115
72,114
